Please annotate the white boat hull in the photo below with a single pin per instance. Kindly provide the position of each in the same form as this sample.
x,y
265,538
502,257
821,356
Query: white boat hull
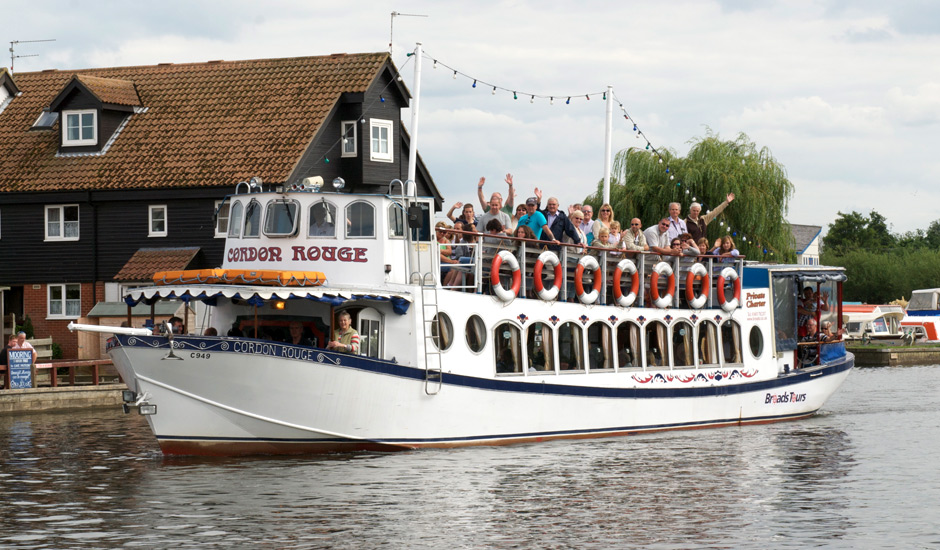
x,y
279,399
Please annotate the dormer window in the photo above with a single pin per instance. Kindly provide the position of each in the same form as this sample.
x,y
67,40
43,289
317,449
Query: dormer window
x,y
80,127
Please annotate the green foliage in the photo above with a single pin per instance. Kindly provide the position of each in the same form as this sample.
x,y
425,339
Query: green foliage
x,y
855,231
57,351
26,327
640,187
876,277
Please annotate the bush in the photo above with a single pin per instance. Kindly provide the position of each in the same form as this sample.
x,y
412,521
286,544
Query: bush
x,y
880,277
57,351
26,327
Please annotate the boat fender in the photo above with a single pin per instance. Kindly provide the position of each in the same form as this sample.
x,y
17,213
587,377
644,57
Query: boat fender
x,y
729,274
665,270
697,270
588,263
506,295
628,267
547,259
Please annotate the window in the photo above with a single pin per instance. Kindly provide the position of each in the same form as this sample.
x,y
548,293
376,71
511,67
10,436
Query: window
x,y
62,223
476,333
757,342
360,220
708,344
221,218
442,331
157,220
731,341
65,301
396,220
80,127
280,218
235,220
628,345
570,354
252,219
682,344
349,138
657,348
539,348
508,349
322,220
599,346
381,140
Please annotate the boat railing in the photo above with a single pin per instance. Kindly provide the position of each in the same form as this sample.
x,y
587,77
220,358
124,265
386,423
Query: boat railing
x,y
670,291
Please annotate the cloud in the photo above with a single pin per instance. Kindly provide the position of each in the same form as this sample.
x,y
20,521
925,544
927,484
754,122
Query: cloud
x,y
920,108
809,116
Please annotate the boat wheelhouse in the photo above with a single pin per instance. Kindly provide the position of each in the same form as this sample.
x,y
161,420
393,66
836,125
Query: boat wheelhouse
x,y
873,321
922,316
534,344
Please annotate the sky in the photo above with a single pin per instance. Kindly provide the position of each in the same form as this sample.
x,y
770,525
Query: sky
x,y
844,93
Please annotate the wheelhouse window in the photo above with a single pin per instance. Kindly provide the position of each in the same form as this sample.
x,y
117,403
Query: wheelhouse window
x,y
396,221
65,301
157,218
222,209
539,348
322,220
731,341
280,218
628,345
381,140
682,344
349,138
507,346
360,220
235,221
599,346
570,347
80,127
657,347
252,219
62,222
708,344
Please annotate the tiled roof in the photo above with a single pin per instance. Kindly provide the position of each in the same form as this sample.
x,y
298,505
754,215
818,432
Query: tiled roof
x,y
147,261
803,236
111,90
206,124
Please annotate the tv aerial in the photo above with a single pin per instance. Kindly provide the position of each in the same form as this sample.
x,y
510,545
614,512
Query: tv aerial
x,y
14,57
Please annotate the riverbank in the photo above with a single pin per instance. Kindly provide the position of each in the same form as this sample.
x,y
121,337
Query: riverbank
x,y
62,398
882,355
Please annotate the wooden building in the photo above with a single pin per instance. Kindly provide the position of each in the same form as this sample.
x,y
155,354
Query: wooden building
x,y
98,164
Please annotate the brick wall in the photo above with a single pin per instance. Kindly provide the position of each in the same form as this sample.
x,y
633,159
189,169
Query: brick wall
x,y
35,304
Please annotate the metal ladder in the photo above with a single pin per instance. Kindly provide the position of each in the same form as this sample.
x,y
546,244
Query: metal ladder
x,y
433,376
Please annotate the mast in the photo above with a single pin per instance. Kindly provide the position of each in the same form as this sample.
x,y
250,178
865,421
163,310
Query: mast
x,y
608,138
415,100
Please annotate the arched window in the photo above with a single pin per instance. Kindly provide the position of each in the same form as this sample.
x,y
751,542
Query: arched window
x,y
396,220
281,217
322,220
628,345
682,351
360,219
657,346
570,347
600,347
541,356
507,346
731,341
235,220
707,344
252,219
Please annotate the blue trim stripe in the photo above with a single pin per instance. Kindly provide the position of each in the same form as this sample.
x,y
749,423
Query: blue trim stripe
x,y
923,313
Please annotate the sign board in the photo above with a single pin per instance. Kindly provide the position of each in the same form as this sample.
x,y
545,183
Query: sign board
x,y
20,368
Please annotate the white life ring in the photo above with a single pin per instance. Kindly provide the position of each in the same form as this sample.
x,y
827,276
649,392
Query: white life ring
x,y
506,295
628,267
664,269
587,263
697,302
547,259
729,273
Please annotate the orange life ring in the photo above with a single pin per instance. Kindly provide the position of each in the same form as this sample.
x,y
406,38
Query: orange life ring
x,y
662,268
506,295
547,258
588,263
626,266
697,302
729,273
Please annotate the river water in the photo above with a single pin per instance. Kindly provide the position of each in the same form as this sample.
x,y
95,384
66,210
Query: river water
x,y
862,474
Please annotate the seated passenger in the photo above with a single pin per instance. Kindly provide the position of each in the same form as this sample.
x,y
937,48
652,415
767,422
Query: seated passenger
x,y
319,225
345,338
297,336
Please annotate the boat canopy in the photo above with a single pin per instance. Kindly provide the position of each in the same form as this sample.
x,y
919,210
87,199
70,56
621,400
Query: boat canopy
x,y
209,294
757,276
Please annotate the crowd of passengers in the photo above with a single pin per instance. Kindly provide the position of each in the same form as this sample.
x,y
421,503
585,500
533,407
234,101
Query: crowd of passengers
x,y
670,236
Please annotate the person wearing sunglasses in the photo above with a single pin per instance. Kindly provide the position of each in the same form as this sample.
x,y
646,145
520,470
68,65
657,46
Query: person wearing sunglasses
x,y
604,216
657,237
633,238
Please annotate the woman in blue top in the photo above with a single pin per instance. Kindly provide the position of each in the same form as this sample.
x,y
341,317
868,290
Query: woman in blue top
x,y
727,251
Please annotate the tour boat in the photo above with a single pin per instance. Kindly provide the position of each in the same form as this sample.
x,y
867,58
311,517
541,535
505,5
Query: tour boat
x,y
922,316
873,321
535,344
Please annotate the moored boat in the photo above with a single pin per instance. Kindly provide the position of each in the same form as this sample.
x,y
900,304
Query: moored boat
x,y
534,345
873,321
922,315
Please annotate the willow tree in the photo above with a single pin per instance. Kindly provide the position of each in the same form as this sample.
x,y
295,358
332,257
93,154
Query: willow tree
x,y
641,187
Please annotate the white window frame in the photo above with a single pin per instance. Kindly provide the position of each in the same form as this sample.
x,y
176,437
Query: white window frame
x,y
374,154
63,302
93,140
219,233
345,141
61,236
150,211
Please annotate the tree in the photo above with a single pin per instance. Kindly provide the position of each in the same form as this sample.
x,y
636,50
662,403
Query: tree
x,y
855,231
641,187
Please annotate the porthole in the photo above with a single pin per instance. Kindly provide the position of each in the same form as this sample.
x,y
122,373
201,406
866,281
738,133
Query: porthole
x,y
442,331
757,342
476,333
